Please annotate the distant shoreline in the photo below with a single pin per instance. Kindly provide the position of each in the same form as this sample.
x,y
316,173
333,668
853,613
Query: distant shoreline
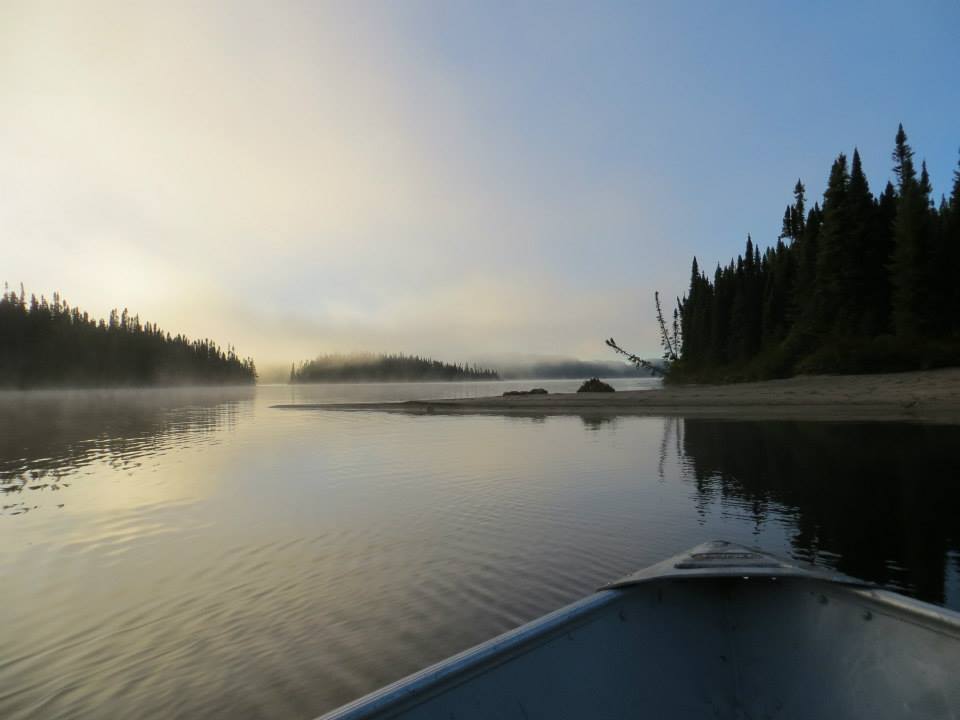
x,y
11,389
922,396
533,380
387,381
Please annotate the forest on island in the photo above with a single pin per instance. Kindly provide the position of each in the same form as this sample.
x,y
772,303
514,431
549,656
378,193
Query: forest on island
x,y
568,369
384,368
50,344
861,283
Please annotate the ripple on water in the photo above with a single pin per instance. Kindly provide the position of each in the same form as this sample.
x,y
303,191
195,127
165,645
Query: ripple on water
x,y
220,558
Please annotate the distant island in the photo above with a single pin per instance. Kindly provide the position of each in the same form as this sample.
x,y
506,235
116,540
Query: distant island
x,y
384,368
861,284
568,369
50,344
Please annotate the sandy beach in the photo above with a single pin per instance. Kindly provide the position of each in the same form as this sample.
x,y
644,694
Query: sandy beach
x,y
925,396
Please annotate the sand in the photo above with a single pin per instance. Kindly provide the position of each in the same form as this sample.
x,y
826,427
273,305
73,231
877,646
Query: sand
x,y
925,396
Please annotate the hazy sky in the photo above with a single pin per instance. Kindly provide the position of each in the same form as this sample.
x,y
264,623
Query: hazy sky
x,y
460,179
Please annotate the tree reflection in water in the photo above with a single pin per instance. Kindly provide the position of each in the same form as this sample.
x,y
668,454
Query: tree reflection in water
x,y
879,501
49,435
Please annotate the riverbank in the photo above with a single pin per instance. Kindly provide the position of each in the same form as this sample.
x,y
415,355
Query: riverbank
x,y
924,396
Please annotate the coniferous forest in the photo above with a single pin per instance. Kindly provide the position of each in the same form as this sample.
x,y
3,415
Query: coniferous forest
x,y
50,344
384,368
862,283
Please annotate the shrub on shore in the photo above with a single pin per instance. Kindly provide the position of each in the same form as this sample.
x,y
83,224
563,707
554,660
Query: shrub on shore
x,y
595,385
534,391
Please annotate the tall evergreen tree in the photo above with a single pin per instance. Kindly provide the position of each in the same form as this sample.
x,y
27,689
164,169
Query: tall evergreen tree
x,y
794,217
909,267
779,276
863,267
903,160
882,248
829,287
949,241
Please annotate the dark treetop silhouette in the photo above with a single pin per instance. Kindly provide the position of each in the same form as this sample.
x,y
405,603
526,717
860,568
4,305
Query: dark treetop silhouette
x,y
384,368
44,344
862,283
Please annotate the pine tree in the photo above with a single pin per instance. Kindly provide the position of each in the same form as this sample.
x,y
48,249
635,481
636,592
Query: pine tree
x,y
950,263
908,265
690,318
903,161
882,247
793,216
779,276
829,299
863,267
925,188
798,219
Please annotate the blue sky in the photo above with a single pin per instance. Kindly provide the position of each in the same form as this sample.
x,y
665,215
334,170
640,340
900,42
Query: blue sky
x,y
460,179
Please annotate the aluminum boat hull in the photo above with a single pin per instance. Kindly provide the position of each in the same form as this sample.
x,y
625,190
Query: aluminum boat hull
x,y
722,631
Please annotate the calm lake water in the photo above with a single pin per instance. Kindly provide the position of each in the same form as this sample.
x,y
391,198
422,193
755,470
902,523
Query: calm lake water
x,y
174,553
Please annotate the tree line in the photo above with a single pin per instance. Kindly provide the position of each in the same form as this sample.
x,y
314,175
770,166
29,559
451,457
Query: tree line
x,y
384,368
48,343
861,283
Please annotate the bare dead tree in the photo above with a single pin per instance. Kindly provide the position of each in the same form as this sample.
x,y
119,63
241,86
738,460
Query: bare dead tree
x,y
670,353
670,339
635,359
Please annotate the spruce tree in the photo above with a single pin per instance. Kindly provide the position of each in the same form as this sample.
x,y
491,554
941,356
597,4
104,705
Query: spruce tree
x,y
695,328
829,294
863,267
950,243
903,160
909,272
778,281
793,216
926,189
882,246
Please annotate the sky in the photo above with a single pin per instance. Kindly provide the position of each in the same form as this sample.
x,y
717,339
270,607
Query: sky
x,y
456,179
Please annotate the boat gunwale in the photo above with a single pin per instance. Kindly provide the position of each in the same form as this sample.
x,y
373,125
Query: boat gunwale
x,y
910,610
418,687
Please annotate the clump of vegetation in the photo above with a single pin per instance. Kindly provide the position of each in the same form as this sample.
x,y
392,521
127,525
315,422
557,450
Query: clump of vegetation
x,y
534,391
595,385
384,368
45,344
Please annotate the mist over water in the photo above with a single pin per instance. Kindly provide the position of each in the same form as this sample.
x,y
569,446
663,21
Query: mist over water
x,y
199,553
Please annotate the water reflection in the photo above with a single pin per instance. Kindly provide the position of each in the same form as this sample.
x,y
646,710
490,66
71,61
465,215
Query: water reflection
x,y
597,422
220,558
877,501
48,437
